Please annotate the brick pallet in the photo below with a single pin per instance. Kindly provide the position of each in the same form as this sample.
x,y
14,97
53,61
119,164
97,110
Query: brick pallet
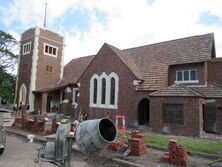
x,y
137,143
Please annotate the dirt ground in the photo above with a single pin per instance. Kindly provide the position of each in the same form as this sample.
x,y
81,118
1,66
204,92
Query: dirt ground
x,y
152,159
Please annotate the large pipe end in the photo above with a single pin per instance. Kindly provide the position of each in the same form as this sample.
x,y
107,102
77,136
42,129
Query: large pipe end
x,y
107,130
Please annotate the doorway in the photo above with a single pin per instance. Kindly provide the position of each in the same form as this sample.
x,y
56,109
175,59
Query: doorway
x,y
209,117
144,112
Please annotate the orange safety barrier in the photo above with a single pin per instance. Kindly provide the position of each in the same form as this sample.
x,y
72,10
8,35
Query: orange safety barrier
x,y
123,130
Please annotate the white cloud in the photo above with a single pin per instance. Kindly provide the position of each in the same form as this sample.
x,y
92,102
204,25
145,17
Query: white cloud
x,y
134,23
128,23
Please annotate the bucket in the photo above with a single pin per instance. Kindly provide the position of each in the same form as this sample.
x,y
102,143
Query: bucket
x,y
30,138
92,136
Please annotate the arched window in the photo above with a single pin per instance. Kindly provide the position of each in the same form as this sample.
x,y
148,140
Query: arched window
x,y
103,99
95,86
104,91
112,91
22,94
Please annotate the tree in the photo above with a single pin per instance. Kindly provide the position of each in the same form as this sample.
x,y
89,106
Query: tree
x,y
7,85
8,59
8,45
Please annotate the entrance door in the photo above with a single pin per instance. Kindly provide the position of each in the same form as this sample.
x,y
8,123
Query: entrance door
x,y
209,117
144,112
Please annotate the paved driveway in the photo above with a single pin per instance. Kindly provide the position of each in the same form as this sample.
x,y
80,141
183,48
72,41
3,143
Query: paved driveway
x,y
19,153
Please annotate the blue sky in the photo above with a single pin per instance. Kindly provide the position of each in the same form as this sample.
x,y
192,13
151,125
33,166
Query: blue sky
x,y
87,24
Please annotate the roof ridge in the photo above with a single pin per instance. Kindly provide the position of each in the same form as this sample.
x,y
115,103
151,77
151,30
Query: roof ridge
x,y
82,57
215,84
190,90
113,48
134,63
195,36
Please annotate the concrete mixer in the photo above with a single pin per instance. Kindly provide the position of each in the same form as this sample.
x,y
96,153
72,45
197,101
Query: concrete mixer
x,y
91,137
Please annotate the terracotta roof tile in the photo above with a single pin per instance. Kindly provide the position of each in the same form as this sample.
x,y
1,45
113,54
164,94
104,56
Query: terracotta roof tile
x,y
61,84
177,90
210,90
153,60
75,68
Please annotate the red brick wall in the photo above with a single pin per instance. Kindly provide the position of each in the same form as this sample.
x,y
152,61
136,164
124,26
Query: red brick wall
x,y
45,78
128,99
198,66
215,72
190,111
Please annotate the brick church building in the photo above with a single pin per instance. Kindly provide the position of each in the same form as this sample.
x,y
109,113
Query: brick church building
x,y
173,87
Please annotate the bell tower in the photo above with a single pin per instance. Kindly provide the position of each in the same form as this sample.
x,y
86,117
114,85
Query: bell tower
x,y
40,63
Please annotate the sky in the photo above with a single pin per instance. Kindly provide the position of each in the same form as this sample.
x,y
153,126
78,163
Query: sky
x,y
87,24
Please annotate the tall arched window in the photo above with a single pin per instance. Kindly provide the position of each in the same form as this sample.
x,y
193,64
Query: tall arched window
x,y
22,94
95,86
103,99
112,91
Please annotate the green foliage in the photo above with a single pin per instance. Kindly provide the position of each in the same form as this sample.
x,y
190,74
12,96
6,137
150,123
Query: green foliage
x,y
8,45
8,60
7,84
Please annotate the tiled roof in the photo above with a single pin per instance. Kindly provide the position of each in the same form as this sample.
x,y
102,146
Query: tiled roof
x,y
75,68
210,90
177,90
153,60
61,84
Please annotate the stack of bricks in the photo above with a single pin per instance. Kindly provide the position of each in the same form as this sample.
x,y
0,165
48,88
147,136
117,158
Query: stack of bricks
x,y
39,123
177,154
137,143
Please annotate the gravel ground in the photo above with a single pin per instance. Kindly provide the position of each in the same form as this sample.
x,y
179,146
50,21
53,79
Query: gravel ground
x,y
153,159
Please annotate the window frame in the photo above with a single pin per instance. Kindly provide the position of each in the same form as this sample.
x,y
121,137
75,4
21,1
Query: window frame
x,y
95,91
22,94
112,91
103,91
169,119
50,47
107,91
26,49
189,76
75,94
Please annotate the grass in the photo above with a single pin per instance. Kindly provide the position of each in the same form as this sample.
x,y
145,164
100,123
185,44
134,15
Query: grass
x,y
194,145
